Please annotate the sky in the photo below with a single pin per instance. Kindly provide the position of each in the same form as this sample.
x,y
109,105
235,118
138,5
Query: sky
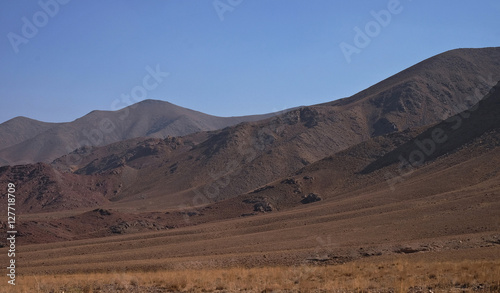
x,y
61,59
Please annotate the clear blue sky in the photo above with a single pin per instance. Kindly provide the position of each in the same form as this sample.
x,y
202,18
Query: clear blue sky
x,y
258,57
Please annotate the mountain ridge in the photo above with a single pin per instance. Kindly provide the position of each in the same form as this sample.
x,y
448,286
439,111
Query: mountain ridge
x,y
342,193
220,164
427,92
153,118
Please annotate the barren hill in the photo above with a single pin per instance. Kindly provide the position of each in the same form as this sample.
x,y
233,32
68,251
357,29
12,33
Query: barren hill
x,y
222,164
20,129
458,154
28,141
445,209
483,119
206,167
43,188
429,91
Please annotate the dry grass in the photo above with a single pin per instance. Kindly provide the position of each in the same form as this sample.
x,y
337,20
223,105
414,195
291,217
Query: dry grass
x,y
397,276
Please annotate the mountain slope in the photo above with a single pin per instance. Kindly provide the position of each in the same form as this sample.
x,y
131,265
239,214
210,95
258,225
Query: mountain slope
x,y
429,91
447,136
19,129
149,118
464,155
214,166
448,204
242,158
425,93
42,188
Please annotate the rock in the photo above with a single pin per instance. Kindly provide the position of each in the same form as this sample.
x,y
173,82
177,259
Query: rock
x,y
289,181
262,188
407,250
309,116
119,228
383,126
311,197
263,207
102,212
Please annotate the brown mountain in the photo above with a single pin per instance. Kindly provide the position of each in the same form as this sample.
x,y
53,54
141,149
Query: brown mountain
x,y
42,188
20,129
28,141
212,166
218,165
405,199
425,93
429,91
445,208
458,154
449,136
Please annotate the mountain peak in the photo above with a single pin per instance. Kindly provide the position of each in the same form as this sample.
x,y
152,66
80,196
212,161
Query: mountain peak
x,y
425,93
23,119
154,101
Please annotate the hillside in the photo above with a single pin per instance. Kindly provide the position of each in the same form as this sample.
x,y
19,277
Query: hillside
x,y
447,136
445,210
205,167
221,164
20,129
28,141
425,93
429,91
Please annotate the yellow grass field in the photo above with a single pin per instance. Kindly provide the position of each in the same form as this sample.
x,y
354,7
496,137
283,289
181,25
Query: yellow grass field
x,y
398,275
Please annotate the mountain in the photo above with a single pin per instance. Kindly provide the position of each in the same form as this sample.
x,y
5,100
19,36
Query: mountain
x,y
429,91
29,141
20,129
332,211
212,166
461,153
221,164
448,136
45,189
246,195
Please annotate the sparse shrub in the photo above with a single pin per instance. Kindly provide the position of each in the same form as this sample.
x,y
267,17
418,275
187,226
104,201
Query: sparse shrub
x,y
134,282
384,276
